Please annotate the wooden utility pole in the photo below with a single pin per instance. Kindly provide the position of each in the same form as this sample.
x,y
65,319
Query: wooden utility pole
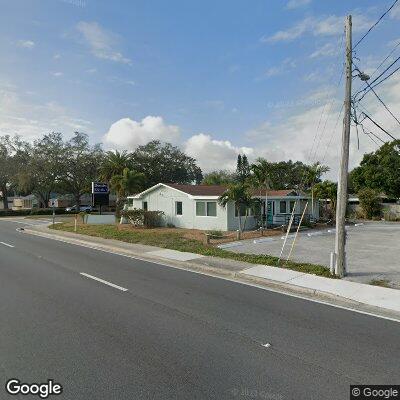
x,y
341,205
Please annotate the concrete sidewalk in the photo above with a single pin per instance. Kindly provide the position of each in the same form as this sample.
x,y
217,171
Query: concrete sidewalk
x,y
358,296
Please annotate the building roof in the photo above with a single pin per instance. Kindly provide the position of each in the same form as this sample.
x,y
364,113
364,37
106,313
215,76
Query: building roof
x,y
216,190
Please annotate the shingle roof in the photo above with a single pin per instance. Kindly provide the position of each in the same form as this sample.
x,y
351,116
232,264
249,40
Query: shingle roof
x,y
218,190
199,190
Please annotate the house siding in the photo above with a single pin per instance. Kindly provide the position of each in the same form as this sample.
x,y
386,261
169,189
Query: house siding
x,y
164,198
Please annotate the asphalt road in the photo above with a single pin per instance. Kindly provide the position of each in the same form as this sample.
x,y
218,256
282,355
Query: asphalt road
x,y
173,334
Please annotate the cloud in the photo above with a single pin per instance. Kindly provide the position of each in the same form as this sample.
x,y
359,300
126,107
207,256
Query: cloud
x,y
20,115
57,74
26,44
101,42
292,4
286,65
212,154
128,134
327,50
395,12
330,25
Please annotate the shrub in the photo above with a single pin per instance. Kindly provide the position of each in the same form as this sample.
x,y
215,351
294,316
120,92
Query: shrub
x,y
370,203
139,217
216,234
33,211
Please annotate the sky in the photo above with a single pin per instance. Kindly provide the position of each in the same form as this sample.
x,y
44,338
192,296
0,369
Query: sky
x,y
215,78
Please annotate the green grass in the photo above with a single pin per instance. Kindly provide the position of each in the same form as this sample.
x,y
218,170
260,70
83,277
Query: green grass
x,y
176,241
380,282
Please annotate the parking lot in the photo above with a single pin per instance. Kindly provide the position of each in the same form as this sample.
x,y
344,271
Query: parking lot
x,y
373,250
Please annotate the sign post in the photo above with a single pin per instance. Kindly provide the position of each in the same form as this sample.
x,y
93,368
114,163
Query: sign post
x,y
100,194
53,205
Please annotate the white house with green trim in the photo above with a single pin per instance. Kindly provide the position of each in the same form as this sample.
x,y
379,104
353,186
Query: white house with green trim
x,y
196,206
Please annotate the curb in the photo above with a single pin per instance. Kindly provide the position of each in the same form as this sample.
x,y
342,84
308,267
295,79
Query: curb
x,y
233,276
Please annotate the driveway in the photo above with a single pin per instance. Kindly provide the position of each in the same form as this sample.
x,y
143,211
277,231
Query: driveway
x,y
373,250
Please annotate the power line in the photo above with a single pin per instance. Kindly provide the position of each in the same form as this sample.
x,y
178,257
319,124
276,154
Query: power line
x,y
381,101
380,65
375,24
380,127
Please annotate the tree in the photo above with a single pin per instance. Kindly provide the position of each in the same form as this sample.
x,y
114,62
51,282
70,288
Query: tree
x,y
80,166
370,203
241,196
128,182
327,190
162,162
114,163
41,173
379,170
261,180
242,168
13,155
221,177
313,176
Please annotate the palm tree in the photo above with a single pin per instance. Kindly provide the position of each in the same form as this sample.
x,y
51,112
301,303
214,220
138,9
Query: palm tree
x,y
240,194
127,182
114,163
314,174
261,179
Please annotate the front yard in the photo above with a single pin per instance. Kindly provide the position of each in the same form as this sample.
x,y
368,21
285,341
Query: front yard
x,y
188,240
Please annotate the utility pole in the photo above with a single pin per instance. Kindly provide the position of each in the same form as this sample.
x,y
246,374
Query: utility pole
x,y
341,204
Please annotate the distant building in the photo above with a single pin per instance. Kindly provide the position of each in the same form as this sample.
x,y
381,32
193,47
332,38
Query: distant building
x,y
196,206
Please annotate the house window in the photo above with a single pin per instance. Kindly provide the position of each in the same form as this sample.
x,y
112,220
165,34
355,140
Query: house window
x,y
242,211
292,204
282,207
130,202
206,208
211,209
144,206
178,208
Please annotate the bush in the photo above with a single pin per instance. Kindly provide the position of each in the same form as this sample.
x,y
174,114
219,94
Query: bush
x,y
33,211
139,217
216,234
370,203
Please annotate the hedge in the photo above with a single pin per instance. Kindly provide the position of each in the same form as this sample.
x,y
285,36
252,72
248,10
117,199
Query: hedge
x,y
33,211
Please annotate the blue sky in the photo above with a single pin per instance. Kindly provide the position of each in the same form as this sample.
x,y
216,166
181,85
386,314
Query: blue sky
x,y
214,77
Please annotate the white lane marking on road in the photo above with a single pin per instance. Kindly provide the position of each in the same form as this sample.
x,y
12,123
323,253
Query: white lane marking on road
x,y
105,282
6,244
266,345
232,280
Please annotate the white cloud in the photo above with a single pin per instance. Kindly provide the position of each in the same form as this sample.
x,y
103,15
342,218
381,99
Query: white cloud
x,y
101,42
292,4
128,134
57,74
21,115
395,12
26,44
286,65
318,26
327,50
212,154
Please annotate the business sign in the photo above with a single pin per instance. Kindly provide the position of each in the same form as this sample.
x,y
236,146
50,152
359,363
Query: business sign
x,y
99,187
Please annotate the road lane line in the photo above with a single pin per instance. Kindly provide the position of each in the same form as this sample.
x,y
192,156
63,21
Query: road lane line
x,y
6,244
231,280
105,282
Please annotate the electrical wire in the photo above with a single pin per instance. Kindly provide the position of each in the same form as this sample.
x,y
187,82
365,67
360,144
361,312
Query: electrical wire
x,y
375,24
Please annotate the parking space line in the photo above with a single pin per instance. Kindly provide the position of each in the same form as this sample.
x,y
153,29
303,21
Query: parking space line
x,y
6,244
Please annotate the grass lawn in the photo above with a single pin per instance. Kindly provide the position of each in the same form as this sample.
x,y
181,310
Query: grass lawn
x,y
182,240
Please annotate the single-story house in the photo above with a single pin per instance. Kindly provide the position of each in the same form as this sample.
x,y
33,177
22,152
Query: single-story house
x,y
196,206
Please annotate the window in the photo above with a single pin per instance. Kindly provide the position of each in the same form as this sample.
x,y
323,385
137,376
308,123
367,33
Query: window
x,y
130,202
282,207
144,205
178,208
211,208
206,208
292,204
242,211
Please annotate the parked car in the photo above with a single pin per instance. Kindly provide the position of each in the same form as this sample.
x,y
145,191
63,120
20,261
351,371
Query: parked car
x,y
81,208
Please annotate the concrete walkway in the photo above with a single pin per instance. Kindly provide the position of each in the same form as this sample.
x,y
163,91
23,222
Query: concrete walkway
x,y
358,296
